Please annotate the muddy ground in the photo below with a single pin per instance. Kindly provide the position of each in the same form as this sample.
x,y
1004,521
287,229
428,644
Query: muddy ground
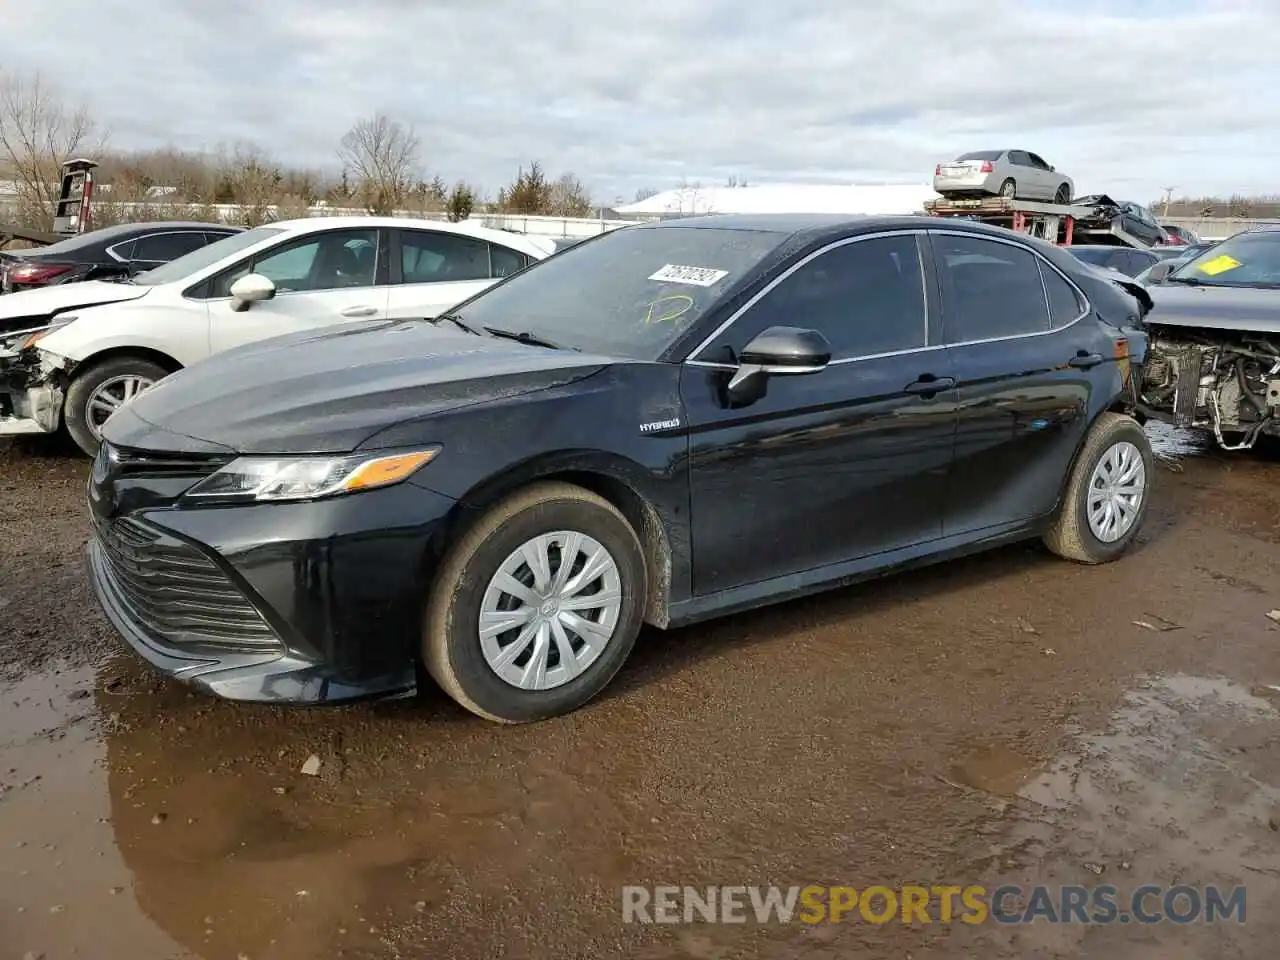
x,y
1010,718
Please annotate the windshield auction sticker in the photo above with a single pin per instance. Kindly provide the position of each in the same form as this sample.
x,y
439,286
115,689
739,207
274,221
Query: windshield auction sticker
x,y
1219,265
695,276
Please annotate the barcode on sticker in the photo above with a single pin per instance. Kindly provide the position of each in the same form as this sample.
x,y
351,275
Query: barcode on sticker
x,y
697,276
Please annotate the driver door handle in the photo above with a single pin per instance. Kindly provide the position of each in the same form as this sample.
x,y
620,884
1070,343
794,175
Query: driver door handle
x,y
928,385
359,311
1084,361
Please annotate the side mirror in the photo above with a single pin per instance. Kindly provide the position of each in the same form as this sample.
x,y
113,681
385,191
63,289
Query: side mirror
x,y
250,289
778,351
1160,271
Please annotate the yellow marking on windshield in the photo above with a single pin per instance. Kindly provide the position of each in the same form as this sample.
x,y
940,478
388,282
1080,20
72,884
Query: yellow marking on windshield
x,y
1219,264
666,309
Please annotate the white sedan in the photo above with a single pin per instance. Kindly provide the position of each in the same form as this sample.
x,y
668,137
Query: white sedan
x,y
74,354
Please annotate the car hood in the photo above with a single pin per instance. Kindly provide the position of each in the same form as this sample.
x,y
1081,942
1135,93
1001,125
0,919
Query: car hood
x,y
329,391
1216,308
43,301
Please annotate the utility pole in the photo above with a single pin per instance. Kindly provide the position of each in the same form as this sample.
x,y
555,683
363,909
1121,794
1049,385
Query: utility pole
x,y
1168,195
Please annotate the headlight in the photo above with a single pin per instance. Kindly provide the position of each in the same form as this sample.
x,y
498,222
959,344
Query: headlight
x,y
38,335
306,478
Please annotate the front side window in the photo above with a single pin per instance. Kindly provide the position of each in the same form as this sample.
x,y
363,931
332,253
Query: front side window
x,y
993,289
330,261
430,257
867,298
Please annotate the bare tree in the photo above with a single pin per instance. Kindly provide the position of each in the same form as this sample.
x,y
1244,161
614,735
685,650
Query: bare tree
x,y
38,133
380,159
567,197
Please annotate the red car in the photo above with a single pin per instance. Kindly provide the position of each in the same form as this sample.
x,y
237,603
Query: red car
x,y
1180,236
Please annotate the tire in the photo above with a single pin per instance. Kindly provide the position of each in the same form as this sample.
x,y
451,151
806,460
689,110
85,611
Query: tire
x,y
1009,190
1063,196
81,421
452,650
1072,536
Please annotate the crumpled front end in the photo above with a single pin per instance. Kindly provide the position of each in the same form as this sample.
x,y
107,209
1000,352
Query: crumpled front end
x,y
32,388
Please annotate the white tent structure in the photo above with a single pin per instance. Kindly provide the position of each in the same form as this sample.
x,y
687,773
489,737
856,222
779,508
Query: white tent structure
x,y
784,198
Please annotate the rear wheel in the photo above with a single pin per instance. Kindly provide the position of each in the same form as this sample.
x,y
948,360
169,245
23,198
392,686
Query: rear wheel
x,y
100,391
1107,494
1009,190
537,606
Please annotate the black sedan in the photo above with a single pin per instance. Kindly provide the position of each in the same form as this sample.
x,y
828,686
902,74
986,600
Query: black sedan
x,y
106,254
662,424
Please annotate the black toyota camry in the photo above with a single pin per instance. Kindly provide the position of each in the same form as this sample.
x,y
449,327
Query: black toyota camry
x,y
659,425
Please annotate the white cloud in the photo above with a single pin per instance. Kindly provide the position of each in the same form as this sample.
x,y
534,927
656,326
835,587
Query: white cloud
x,y
1126,97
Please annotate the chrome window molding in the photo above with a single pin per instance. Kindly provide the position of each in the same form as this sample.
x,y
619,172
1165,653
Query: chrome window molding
x,y
1082,298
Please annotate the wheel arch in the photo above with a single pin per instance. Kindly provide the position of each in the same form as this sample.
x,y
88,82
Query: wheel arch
x,y
150,354
609,476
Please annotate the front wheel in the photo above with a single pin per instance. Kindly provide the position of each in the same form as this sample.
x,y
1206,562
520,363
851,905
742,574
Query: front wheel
x,y
1063,196
537,606
1107,493
100,391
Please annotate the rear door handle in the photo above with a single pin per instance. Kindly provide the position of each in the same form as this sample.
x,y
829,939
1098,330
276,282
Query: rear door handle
x,y
359,311
928,385
1084,361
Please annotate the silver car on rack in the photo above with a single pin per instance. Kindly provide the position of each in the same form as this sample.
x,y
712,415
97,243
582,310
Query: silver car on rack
x,y
1013,174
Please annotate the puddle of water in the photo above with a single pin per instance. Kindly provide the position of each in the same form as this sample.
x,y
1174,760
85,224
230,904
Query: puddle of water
x,y
64,888
1182,788
995,769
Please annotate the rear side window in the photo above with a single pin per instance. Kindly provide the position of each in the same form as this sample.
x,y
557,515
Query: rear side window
x,y
506,261
993,289
1065,305
163,247
430,257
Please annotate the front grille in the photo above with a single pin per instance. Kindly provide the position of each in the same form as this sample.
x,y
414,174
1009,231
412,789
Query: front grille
x,y
177,595
126,462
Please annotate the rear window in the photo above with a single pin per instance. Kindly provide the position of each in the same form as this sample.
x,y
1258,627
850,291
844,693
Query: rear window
x,y
981,155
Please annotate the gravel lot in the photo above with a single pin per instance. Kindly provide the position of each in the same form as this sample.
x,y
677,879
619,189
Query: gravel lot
x,y
1001,718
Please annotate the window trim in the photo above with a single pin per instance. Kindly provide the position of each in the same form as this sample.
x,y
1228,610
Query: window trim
x,y
111,250
930,266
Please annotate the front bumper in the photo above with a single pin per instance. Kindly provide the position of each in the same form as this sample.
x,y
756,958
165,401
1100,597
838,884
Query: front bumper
x,y
28,404
285,603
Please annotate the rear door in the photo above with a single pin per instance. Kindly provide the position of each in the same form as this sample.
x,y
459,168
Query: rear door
x,y
432,270
832,466
1022,348
321,279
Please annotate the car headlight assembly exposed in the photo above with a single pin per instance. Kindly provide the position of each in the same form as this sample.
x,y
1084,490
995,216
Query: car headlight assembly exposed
x,y
276,479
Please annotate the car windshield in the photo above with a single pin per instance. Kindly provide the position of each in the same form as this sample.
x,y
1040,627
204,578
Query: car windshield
x,y
630,293
1092,254
1245,260
205,256
981,155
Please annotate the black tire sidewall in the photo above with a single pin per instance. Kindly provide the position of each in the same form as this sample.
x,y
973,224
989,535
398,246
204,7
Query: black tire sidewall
x,y
74,413
1132,432
485,688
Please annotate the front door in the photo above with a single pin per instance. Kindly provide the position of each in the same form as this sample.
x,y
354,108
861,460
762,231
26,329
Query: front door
x,y
321,279
831,466
1013,325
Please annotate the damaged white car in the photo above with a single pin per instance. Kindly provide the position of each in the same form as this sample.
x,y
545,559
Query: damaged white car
x,y
71,355
1214,356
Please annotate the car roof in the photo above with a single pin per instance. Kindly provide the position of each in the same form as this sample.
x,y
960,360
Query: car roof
x,y
821,227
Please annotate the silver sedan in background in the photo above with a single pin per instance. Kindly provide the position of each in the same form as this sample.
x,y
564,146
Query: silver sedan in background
x,y
1014,174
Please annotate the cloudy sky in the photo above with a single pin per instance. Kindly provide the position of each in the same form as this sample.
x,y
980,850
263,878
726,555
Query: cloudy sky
x,y
1127,96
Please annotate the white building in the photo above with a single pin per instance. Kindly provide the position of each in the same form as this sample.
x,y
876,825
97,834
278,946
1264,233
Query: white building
x,y
784,198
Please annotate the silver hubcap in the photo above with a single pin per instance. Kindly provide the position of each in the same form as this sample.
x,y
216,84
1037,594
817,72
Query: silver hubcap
x,y
550,610
110,396
1116,490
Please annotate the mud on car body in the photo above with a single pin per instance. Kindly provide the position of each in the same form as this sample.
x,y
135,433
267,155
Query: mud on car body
x,y
661,424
